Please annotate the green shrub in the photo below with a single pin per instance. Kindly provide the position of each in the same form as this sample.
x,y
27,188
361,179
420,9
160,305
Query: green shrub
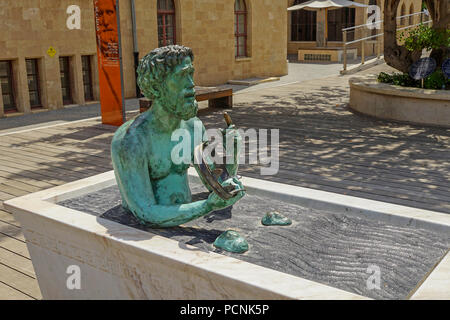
x,y
425,37
399,79
435,81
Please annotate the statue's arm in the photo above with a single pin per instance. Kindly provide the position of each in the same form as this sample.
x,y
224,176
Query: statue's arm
x,y
133,178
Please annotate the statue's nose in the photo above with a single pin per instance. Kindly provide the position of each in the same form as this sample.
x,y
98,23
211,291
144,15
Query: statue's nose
x,y
191,83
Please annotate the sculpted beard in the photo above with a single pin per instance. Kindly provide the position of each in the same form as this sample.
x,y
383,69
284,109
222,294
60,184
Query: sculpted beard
x,y
188,110
185,107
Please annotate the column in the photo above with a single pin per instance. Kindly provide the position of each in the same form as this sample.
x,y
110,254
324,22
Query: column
x,y
77,80
52,82
320,31
21,85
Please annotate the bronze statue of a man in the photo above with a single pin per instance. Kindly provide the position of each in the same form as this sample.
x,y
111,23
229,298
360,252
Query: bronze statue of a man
x,y
154,187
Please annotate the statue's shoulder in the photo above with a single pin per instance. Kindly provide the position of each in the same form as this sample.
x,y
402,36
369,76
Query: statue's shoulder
x,y
130,136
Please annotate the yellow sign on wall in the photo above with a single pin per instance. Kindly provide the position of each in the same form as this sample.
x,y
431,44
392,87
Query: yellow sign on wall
x,y
51,52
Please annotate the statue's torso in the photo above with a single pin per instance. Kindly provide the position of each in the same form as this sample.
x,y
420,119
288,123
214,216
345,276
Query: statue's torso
x,y
169,179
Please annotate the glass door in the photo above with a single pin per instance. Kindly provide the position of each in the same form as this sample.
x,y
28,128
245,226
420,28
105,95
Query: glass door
x,y
33,83
87,78
6,80
64,67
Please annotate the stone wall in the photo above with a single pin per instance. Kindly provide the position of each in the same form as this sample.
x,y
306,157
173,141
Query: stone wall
x,y
30,27
207,27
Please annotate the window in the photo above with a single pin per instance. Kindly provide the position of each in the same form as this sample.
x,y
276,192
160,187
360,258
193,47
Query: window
x,y
303,24
6,79
166,23
87,78
411,11
338,20
402,13
64,68
373,31
33,83
240,28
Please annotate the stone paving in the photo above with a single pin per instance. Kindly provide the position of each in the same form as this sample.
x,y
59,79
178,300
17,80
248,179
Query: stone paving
x,y
323,145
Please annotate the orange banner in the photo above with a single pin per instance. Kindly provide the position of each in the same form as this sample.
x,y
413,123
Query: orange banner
x,y
107,26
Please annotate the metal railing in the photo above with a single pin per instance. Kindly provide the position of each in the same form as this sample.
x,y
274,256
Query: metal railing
x,y
378,36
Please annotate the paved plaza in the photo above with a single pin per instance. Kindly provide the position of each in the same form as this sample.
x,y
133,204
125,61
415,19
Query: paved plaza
x,y
323,145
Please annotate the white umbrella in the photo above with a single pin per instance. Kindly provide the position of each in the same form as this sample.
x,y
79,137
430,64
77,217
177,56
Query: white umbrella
x,y
317,5
327,4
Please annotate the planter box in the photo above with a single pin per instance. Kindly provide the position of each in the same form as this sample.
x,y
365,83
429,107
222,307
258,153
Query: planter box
x,y
390,102
117,261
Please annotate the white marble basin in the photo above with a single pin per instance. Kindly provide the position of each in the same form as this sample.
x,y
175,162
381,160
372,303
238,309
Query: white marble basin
x,y
120,262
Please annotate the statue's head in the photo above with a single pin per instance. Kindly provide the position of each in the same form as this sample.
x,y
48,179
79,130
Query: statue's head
x,y
166,74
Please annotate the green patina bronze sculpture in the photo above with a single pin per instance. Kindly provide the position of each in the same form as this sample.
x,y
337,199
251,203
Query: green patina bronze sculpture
x,y
154,187
231,241
275,219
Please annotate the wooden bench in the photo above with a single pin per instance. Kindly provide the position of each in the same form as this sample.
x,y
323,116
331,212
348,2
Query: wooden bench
x,y
218,97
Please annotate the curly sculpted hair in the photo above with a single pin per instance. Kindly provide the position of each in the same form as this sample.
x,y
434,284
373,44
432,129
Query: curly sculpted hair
x,y
156,65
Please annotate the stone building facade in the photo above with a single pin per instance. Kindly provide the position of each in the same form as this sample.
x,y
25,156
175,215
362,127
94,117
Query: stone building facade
x,y
46,65
301,29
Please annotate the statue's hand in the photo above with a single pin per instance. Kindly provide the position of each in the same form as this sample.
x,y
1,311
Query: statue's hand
x,y
233,138
217,202
231,133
